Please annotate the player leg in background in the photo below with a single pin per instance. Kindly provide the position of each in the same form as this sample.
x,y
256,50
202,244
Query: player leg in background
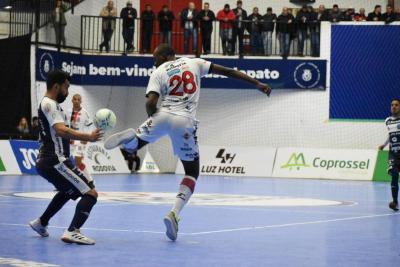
x,y
394,172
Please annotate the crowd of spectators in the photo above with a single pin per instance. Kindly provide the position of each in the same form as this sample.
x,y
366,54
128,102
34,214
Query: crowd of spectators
x,y
26,131
235,25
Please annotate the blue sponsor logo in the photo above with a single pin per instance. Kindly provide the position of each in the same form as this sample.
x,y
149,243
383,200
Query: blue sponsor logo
x,y
26,153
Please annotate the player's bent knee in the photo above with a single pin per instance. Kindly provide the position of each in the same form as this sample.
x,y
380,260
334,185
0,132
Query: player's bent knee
x,y
92,193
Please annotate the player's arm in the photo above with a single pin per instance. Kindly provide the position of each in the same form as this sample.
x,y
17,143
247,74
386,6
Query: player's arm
x,y
218,69
151,103
381,147
62,130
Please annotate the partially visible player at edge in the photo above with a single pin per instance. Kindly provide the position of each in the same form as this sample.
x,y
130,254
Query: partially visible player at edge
x,y
81,122
177,82
54,165
393,126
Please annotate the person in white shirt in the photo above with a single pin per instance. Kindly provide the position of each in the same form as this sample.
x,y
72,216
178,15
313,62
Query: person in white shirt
x,y
177,82
80,121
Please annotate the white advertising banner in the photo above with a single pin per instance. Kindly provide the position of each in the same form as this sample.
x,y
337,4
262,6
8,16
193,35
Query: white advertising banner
x,y
8,162
235,161
346,164
102,161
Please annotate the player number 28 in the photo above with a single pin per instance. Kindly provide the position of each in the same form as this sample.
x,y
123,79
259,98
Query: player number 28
x,y
189,86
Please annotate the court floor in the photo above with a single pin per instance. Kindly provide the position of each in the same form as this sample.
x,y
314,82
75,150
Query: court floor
x,y
229,222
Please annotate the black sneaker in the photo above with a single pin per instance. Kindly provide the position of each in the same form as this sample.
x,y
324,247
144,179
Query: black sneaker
x,y
394,206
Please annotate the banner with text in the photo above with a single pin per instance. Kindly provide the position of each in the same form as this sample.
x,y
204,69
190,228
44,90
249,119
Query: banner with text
x,y
325,163
136,70
8,163
235,161
26,153
99,160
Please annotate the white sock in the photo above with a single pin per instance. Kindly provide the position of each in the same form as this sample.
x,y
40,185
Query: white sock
x,y
186,190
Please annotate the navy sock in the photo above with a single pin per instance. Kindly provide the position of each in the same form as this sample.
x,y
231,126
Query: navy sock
x,y
54,206
395,186
82,211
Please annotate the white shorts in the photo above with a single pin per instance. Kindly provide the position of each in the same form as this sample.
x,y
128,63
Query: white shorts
x,y
181,130
77,149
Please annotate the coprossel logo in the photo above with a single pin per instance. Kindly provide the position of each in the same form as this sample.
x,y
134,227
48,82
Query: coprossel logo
x,y
225,157
295,161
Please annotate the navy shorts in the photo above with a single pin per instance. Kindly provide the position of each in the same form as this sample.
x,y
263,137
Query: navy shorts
x,y
65,176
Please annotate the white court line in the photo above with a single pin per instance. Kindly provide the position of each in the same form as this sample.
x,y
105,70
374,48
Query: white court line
x,y
278,225
64,227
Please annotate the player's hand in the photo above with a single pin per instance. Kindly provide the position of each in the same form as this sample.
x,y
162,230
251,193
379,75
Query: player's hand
x,y
96,135
381,147
265,88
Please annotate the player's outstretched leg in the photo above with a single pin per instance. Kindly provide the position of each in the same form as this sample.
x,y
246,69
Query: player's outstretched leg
x,y
127,136
186,190
82,212
39,225
395,191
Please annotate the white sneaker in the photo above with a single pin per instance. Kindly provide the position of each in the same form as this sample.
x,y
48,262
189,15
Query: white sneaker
x,y
171,223
38,227
76,237
119,138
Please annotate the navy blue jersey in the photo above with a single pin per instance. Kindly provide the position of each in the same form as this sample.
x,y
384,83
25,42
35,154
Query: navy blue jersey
x,y
393,126
52,145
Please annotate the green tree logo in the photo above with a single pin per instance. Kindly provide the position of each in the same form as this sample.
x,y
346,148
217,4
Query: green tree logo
x,y
295,161
2,167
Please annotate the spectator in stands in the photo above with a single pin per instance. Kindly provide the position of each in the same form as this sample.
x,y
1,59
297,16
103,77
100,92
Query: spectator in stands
x,y
314,24
108,13
348,15
285,24
206,18
389,16
335,15
239,27
189,22
361,16
23,128
59,22
397,13
254,28
323,14
165,20
302,25
376,15
147,28
35,128
267,28
226,18
128,15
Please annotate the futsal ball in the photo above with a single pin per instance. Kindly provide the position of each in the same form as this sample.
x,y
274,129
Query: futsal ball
x,y
105,119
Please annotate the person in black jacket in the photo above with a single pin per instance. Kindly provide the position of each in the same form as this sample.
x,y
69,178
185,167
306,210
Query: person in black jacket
x,y
128,15
238,27
335,15
254,28
268,22
314,24
285,25
302,18
165,20
206,18
147,28
376,15
389,16
189,23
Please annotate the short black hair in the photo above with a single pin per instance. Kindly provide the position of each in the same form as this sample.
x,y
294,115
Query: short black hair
x,y
56,77
378,6
165,50
335,5
35,118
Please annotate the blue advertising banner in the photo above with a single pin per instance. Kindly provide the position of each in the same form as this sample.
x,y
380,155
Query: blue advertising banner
x,y
365,71
136,70
26,153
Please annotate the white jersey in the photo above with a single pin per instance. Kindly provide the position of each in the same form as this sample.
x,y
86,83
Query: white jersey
x,y
178,84
80,121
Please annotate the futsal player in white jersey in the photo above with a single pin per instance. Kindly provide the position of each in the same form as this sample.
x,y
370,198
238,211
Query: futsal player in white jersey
x,y
177,83
79,121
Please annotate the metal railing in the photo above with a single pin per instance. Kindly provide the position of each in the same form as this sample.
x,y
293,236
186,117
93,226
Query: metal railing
x,y
94,32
